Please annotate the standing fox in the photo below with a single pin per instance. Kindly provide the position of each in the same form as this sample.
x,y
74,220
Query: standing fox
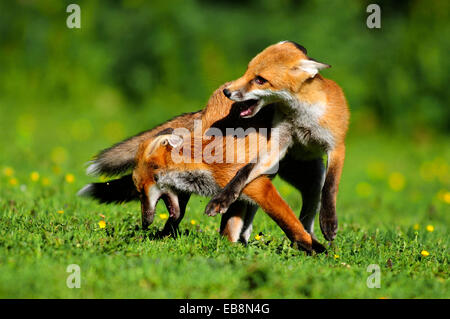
x,y
311,113
312,117
163,170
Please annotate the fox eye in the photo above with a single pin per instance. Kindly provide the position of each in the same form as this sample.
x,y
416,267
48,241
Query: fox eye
x,y
164,142
260,80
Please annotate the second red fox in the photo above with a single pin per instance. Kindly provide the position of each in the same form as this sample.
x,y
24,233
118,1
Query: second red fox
x,y
311,110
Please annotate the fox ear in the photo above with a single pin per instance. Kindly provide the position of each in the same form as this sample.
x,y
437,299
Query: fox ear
x,y
175,140
312,67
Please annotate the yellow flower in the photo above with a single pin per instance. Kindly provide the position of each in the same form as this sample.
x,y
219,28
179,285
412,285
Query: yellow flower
x,y
336,256
13,181
45,181
396,181
424,253
447,197
363,189
430,228
8,171
102,224
444,196
34,176
257,237
60,212
70,178
193,222
163,216
416,226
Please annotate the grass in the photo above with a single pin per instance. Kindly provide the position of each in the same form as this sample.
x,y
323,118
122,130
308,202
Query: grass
x,y
391,190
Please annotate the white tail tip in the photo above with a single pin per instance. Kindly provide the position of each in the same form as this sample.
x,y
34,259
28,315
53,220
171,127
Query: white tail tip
x,y
93,169
86,190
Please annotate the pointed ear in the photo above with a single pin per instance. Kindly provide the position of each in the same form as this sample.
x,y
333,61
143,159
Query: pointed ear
x,y
175,140
312,67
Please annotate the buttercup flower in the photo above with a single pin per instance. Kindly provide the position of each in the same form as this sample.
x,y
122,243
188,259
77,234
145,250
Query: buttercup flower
x,y
13,181
430,228
163,216
257,237
102,224
444,196
70,178
8,171
193,222
60,212
34,176
396,181
416,226
424,253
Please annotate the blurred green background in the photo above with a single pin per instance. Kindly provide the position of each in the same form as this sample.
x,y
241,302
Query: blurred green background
x,y
67,93
134,64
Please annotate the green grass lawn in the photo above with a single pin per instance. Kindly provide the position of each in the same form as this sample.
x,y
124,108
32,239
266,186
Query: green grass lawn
x,y
393,207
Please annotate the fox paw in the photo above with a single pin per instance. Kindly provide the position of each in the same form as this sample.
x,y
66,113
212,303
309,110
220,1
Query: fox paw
x,y
329,227
314,248
219,204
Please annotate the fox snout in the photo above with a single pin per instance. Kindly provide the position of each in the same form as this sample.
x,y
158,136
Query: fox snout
x,y
233,95
227,93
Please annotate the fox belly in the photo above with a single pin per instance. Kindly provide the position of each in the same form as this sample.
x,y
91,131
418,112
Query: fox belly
x,y
200,182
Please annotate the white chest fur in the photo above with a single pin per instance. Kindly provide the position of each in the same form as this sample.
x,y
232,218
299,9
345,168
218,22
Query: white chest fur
x,y
309,137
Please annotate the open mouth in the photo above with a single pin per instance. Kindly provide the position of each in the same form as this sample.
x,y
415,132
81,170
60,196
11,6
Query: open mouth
x,y
248,107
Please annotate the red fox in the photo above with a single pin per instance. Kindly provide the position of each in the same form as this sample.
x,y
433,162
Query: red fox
x,y
312,117
302,166
157,174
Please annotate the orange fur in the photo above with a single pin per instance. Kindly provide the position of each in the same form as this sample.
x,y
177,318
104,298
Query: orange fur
x,y
154,159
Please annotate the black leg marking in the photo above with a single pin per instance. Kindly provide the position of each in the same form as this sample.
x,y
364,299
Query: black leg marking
x,y
223,200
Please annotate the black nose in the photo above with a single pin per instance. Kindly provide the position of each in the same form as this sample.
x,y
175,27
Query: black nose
x,y
227,92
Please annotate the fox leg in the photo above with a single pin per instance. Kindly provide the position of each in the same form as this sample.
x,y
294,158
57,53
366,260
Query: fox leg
x,y
248,223
327,217
171,226
262,191
237,222
222,201
308,177
232,221
264,164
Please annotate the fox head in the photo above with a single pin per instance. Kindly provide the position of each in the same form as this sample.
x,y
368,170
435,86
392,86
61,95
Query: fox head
x,y
274,75
152,158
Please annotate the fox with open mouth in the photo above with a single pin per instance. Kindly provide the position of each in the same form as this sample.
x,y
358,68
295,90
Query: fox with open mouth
x,y
311,112
312,120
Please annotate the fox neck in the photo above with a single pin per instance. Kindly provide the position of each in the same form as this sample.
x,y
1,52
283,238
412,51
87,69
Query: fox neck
x,y
310,93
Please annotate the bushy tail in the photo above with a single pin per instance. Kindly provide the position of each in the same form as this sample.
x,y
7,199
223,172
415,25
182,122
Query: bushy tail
x,y
119,158
114,191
